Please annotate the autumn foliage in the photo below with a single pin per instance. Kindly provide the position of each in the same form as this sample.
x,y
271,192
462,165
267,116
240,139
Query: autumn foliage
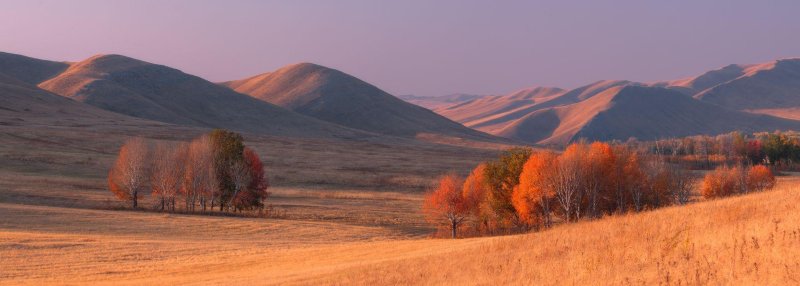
x,y
213,170
127,176
526,189
727,181
448,203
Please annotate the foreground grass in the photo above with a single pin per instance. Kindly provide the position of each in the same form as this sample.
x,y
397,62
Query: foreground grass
x,y
747,240
752,239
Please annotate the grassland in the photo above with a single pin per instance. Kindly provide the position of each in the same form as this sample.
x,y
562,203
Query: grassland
x,y
352,218
752,239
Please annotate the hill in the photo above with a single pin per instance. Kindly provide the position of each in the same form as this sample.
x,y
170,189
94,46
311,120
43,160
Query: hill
x,y
469,111
141,89
434,102
642,112
337,97
29,70
23,104
494,114
769,88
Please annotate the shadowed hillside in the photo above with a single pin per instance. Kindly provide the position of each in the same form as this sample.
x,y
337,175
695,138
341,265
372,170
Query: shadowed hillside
x,y
23,104
494,114
29,70
334,96
140,89
434,102
635,111
769,88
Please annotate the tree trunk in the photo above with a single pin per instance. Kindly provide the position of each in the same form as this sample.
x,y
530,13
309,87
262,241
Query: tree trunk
x,y
135,196
454,226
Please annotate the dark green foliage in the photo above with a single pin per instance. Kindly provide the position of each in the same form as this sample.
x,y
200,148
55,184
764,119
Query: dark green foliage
x,y
502,176
228,150
780,148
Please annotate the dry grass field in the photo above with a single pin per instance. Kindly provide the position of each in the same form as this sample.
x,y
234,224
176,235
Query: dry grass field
x,y
352,217
752,239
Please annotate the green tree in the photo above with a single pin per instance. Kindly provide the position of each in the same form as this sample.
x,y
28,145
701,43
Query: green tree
x,y
228,148
502,176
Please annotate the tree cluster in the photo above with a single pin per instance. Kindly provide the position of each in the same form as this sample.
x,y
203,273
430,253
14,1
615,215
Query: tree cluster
x,y
778,149
726,181
526,189
214,170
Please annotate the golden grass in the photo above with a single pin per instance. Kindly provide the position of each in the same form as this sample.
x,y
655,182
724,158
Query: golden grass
x,y
752,239
747,240
352,217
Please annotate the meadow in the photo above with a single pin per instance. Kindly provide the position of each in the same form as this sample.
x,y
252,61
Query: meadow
x,y
351,216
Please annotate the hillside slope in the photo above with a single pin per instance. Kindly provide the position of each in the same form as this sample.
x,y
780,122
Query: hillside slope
x,y
494,114
645,113
29,70
337,97
434,102
770,88
140,89
23,104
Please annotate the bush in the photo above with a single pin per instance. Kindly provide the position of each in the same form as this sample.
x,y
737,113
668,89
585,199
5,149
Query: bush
x,y
725,181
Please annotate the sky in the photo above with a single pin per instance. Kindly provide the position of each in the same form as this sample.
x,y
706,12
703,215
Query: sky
x,y
423,48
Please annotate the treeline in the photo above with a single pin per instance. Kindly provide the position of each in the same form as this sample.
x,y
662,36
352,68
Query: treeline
x,y
525,189
214,170
781,150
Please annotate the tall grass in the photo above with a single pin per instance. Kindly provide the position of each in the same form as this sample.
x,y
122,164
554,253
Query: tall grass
x,y
746,240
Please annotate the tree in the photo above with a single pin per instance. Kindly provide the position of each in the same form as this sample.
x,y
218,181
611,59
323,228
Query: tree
x,y
760,178
256,192
721,182
568,181
446,202
475,191
533,197
199,178
597,173
624,177
228,149
683,184
502,176
127,176
240,177
657,184
166,172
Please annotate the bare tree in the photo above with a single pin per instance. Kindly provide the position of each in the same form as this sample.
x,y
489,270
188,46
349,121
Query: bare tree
x,y
240,177
199,178
683,184
128,175
567,183
168,162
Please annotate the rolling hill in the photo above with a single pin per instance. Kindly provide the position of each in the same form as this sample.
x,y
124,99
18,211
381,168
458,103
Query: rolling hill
x,y
770,88
496,113
23,104
642,112
29,70
714,102
141,89
434,102
337,97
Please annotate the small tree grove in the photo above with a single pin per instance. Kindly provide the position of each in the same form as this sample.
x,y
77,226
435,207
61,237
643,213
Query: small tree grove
x,y
526,189
213,170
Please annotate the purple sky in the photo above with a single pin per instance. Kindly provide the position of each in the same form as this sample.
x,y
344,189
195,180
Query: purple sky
x,y
415,47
